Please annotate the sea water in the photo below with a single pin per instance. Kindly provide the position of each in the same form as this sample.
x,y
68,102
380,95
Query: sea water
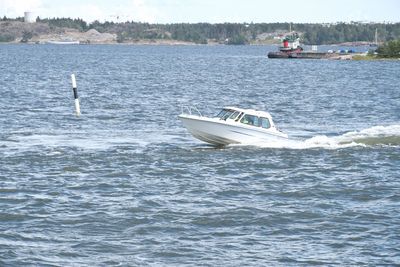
x,y
125,184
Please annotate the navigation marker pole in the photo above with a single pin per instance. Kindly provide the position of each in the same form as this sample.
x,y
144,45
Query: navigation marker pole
x,y
77,107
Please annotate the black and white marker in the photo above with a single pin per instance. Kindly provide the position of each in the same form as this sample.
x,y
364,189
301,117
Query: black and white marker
x,y
77,107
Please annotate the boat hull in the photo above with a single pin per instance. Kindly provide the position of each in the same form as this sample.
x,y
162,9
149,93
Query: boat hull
x,y
312,55
219,132
301,55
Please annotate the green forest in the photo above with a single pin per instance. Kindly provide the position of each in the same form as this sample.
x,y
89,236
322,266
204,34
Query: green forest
x,y
233,33
389,49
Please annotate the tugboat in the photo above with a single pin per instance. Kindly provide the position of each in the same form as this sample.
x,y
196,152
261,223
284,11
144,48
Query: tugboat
x,y
290,47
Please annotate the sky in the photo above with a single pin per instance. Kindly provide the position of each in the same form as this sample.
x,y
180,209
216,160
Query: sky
x,y
211,11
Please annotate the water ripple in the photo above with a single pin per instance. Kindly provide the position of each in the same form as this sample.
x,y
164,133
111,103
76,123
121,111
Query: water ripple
x,y
126,185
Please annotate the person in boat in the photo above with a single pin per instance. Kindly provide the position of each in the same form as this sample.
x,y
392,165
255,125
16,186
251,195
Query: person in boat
x,y
249,119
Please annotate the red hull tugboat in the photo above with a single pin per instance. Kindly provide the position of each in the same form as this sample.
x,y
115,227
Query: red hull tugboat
x,y
289,49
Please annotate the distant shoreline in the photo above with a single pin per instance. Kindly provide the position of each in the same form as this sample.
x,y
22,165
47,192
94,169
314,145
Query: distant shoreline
x,y
61,29
155,42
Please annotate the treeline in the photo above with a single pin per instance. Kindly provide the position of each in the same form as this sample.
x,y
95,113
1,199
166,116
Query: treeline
x,y
390,49
79,24
243,33
233,33
341,32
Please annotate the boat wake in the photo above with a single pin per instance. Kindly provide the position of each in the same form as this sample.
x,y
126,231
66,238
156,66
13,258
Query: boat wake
x,y
45,141
374,136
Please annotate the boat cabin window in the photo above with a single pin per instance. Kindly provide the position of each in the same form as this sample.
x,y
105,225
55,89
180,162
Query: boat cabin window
x,y
250,120
264,122
256,121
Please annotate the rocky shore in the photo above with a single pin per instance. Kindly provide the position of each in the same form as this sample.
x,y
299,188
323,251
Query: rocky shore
x,y
41,33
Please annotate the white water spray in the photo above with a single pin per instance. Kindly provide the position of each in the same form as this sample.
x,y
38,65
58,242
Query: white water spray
x,y
377,135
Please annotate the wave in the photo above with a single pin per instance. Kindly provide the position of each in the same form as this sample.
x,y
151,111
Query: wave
x,y
135,140
139,140
374,136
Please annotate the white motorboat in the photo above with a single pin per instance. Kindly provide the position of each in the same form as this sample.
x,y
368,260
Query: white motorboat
x,y
233,126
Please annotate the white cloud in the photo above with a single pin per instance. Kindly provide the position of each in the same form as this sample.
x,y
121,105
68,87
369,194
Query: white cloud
x,y
92,12
16,8
169,11
87,12
139,10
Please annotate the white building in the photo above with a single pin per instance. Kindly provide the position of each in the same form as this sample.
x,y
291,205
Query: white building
x,y
29,17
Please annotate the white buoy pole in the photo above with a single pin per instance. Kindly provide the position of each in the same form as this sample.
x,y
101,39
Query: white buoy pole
x,y
77,107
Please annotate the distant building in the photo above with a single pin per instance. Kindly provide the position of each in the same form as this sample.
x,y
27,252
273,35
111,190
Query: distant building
x,y
29,17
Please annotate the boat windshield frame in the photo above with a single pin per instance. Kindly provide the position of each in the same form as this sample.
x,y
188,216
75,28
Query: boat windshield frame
x,y
234,115
225,113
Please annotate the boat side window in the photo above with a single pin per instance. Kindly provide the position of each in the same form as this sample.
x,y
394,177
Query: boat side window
x,y
264,122
250,120
256,121
234,115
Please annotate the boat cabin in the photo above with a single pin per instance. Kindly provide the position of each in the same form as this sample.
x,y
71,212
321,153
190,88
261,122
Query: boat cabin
x,y
246,116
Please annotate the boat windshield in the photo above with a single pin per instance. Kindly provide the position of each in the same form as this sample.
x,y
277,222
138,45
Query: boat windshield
x,y
225,113
234,115
221,113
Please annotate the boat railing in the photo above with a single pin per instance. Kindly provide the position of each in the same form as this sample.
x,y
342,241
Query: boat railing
x,y
190,110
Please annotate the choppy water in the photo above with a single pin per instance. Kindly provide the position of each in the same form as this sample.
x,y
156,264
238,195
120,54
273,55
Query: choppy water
x,y
126,185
